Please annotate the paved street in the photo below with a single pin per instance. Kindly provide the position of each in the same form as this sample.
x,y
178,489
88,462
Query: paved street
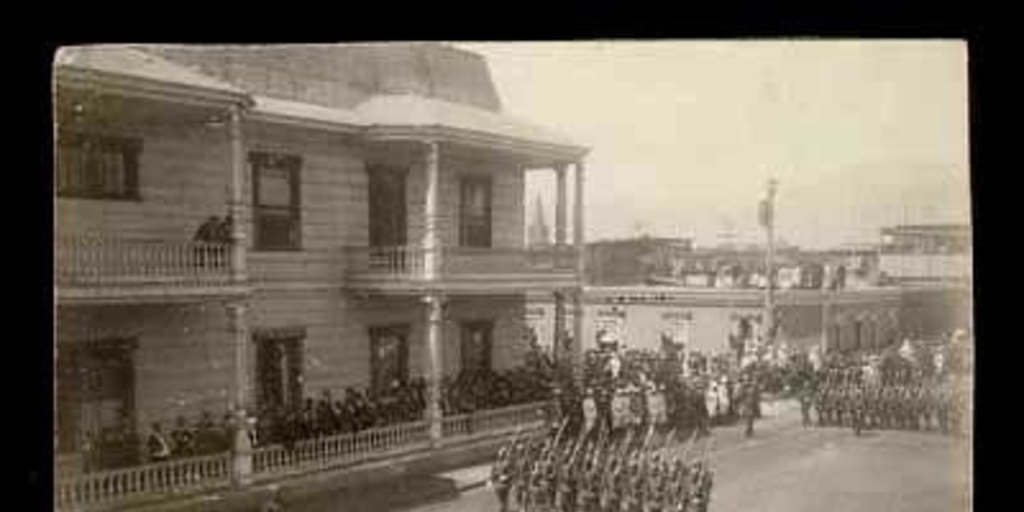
x,y
788,468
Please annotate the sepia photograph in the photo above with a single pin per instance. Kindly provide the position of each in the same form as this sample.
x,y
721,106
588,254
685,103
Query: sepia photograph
x,y
565,276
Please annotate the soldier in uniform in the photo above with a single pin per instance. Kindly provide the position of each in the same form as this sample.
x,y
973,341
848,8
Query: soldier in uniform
x,y
655,480
501,476
680,493
806,398
588,486
611,480
856,408
819,403
539,498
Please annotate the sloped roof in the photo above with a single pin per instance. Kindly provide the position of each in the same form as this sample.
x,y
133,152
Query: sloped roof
x,y
412,111
279,109
380,114
124,61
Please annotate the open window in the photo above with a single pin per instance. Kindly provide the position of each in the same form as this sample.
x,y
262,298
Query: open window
x,y
389,357
279,367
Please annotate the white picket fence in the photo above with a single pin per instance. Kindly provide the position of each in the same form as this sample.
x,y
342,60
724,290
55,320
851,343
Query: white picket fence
x,y
96,490
339,450
73,492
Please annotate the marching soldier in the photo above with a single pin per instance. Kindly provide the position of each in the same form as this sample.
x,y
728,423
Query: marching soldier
x,y
501,476
681,486
588,487
856,408
806,398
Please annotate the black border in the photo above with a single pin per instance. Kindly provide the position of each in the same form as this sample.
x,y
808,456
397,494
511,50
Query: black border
x,y
31,413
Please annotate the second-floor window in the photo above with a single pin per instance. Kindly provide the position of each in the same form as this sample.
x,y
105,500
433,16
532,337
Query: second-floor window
x,y
97,166
276,201
475,211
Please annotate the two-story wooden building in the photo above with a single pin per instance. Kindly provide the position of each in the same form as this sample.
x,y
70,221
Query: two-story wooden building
x,y
369,226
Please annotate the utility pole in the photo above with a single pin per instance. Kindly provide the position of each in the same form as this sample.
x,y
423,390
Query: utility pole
x,y
768,222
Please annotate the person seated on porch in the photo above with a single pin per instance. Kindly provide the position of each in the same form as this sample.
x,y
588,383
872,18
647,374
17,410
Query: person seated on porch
x,y
157,446
183,438
208,436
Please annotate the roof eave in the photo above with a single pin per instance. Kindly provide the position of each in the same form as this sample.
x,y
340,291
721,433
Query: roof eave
x,y
535,149
136,86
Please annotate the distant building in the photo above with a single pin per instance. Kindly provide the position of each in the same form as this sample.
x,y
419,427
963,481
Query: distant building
x,y
538,234
926,253
634,261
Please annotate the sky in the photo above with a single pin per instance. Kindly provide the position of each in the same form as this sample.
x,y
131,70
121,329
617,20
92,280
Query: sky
x,y
685,134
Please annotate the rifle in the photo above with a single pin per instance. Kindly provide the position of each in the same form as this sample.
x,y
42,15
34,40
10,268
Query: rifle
x,y
689,446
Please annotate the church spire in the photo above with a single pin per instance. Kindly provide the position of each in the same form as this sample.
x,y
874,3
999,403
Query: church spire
x,y
538,234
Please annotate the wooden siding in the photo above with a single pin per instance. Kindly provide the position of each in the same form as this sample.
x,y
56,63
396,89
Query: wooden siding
x,y
183,360
184,173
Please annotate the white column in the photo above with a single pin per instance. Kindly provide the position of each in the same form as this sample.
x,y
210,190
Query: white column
x,y
558,338
580,244
431,237
241,467
434,362
237,203
561,205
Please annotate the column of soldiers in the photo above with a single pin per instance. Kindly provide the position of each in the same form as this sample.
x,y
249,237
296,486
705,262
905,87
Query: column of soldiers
x,y
844,398
601,473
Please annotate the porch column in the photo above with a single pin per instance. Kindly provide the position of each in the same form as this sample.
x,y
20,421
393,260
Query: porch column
x,y
431,237
825,310
577,346
557,340
561,214
435,369
561,205
241,461
237,203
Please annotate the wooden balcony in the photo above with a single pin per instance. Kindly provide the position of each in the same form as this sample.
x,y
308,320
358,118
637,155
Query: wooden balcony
x,y
109,269
470,270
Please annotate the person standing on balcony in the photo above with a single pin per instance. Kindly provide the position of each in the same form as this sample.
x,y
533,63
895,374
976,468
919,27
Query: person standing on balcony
x,y
206,233
222,230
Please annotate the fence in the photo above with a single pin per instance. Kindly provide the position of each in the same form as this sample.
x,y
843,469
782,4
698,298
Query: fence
x,y
76,490
178,476
339,450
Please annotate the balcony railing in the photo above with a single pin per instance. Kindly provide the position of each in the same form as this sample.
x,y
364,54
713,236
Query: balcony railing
x,y
495,421
340,450
409,262
108,488
89,262
72,492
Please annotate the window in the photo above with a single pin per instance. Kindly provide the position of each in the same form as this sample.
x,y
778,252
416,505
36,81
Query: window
x,y
475,345
95,392
279,367
389,357
97,167
386,197
475,212
276,201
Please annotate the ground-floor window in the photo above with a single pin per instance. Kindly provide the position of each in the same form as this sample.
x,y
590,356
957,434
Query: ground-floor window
x,y
279,367
96,401
476,340
389,357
